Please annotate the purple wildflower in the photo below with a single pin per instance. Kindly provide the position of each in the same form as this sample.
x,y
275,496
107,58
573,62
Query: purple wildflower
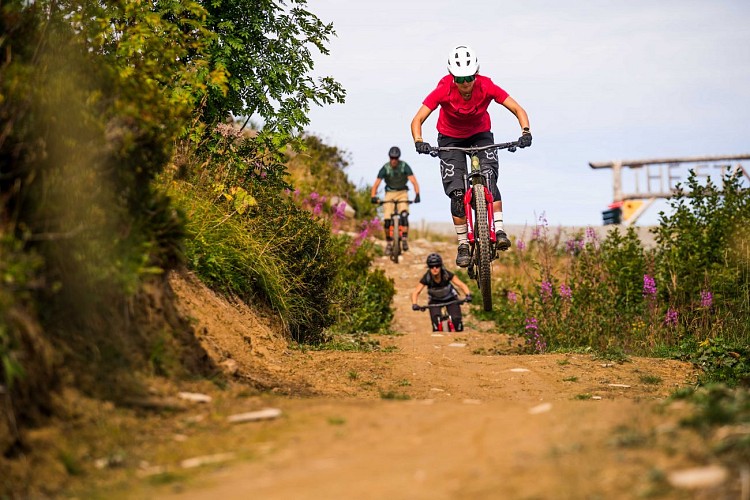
x,y
520,245
546,290
671,318
543,220
649,286
531,324
533,337
591,234
572,246
707,298
314,196
565,291
512,297
339,212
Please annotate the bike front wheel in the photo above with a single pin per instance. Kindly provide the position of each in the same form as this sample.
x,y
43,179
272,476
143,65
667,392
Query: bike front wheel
x,y
483,247
396,249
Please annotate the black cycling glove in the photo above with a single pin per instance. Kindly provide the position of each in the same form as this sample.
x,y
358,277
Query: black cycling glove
x,y
525,140
374,200
468,297
416,198
415,307
422,147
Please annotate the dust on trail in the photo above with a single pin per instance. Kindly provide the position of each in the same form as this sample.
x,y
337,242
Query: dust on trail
x,y
473,426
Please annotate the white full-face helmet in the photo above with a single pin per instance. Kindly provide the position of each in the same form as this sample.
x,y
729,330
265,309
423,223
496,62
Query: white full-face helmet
x,y
462,61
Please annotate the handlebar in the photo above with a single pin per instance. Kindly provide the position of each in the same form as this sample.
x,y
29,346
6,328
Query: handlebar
x,y
383,202
510,146
441,304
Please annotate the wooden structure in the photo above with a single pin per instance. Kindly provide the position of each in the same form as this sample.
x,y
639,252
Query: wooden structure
x,y
657,178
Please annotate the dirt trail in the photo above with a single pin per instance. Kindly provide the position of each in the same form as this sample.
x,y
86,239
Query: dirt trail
x,y
473,426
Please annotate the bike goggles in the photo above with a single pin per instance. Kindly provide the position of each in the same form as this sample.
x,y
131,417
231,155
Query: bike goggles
x,y
464,79
436,266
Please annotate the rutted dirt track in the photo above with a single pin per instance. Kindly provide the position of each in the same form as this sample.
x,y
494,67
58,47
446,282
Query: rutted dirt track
x,y
473,426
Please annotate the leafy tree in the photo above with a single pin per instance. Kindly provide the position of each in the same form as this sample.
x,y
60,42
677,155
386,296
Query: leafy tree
x,y
265,47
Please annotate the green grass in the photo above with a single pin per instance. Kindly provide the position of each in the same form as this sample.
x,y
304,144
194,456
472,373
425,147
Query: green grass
x,y
651,379
394,395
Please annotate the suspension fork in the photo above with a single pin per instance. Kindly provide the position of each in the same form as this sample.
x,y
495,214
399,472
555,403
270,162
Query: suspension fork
x,y
468,196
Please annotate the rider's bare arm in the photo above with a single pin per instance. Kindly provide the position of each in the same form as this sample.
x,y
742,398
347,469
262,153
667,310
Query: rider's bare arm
x,y
516,109
416,292
460,284
416,123
374,191
414,183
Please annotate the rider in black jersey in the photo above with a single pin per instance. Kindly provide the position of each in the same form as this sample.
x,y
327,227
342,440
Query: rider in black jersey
x,y
441,288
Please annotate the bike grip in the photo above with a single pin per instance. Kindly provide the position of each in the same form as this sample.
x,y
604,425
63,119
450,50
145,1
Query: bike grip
x,y
434,152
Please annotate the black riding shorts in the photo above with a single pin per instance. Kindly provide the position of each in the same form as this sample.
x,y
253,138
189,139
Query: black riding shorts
x,y
453,163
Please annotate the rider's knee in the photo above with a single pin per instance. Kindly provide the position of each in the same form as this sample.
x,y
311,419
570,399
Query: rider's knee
x,y
459,325
404,216
387,223
457,203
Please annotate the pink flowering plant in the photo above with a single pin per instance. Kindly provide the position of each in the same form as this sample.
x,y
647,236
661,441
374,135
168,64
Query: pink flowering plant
x,y
679,294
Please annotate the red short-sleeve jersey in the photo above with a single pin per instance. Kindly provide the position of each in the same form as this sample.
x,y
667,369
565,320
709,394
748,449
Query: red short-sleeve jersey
x,y
459,118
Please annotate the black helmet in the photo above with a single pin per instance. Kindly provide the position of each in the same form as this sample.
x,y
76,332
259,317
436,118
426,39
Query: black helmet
x,y
434,260
394,152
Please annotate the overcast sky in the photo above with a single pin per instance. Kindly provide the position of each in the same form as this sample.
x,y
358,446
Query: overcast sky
x,y
600,79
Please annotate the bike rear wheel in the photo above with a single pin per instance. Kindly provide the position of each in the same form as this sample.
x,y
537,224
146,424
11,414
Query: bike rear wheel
x,y
482,255
396,249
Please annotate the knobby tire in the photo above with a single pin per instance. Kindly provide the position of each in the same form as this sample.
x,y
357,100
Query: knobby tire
x,y
396,249
483,247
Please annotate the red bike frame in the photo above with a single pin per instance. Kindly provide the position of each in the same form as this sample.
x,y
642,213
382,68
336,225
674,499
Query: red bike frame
x,y
469,213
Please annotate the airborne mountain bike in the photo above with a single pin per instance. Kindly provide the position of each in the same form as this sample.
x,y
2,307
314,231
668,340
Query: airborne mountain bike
x,y
445,321
480,218
397,228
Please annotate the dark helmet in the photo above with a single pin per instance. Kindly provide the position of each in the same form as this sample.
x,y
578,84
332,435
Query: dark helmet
x,y
394,152
434,260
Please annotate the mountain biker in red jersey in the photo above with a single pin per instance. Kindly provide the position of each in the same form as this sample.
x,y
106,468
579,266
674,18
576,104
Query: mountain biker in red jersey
x,y
396,174
441,288
464,96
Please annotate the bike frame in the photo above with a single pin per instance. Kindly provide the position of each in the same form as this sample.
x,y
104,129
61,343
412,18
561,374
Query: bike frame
x,y
469,181
444,314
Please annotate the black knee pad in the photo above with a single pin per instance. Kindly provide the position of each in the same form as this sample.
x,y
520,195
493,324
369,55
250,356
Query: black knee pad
x,y
387,223
459,325
404,219
457,203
